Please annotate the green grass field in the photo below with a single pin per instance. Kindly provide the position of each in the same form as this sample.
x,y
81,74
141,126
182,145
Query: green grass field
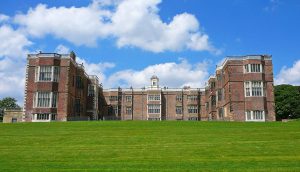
x,y
150,146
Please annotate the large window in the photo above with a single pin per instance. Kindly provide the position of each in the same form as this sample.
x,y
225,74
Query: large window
x,y
47,73
179,97
154,97
128,98
179,110
256,115
192,97
254,88
253,68
192,109
113,98
44,117
153,109
45,99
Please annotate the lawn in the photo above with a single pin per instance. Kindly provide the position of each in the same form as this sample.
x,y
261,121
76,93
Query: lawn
x,y
150,146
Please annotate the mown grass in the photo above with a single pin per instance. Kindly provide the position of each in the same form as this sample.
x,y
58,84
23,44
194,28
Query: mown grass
x,y
150,146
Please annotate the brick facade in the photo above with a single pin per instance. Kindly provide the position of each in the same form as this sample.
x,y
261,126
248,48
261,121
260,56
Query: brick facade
x,y
241,90
71,88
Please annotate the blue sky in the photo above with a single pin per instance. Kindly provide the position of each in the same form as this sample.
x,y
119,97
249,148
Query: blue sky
x,y
124,42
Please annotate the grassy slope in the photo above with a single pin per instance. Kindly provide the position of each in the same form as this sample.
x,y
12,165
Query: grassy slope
x,y
145,145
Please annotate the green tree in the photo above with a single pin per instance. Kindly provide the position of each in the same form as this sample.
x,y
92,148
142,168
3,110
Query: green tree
x,y
7,103
287,100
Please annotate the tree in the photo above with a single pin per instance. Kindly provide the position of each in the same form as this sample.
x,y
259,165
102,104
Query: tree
x,y
287,101
7,103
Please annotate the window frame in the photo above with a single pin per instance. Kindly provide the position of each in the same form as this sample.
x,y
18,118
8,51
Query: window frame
x,y
252,90
54,73
255,116
154,109
253,68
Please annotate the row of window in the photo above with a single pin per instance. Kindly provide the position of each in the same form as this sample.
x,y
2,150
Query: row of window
x,y
44,117
45,99
256,115
253,68
47,73
254,88
154,109
155,97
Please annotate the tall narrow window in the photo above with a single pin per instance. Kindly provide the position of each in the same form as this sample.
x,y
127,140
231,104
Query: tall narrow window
x,y
179,110
128,98
55,73
91,90
54,100
247,88
128,110
179,97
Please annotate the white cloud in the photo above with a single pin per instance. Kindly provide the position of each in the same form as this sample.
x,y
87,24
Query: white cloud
x,y
81,26
13,42
12,78
170,74
4,18
12,63
61,49
96,68
289,75
132,23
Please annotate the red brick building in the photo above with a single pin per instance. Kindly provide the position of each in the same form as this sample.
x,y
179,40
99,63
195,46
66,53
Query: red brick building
x,y
154,103
242,90
57,88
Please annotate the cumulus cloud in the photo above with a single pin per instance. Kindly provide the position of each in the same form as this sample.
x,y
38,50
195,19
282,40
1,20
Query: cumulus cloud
x,y
81,26
12,62
96,68
12,78
289,75
13,42
3,18
132,23
61,49
171,74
